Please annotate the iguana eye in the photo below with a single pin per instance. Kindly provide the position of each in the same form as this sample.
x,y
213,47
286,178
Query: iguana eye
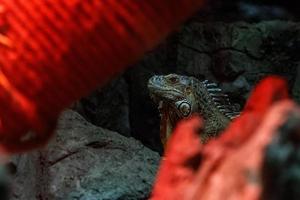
x,y
174,79
184,108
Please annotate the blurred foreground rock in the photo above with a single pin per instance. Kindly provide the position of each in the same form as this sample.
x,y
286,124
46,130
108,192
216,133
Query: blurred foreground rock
x,y
85,162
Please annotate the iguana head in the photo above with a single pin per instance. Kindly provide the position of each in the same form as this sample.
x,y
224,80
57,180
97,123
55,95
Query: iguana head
x,y
176,99
179,96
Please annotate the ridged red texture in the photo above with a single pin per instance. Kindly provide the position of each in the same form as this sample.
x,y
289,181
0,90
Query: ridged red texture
x,y
53,52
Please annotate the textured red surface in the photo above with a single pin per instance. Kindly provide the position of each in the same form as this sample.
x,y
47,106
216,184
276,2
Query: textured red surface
x,y
229,167
53,52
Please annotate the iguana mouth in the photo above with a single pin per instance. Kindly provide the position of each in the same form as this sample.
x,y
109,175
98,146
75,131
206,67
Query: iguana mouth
x,y
168,119
166,95
165,99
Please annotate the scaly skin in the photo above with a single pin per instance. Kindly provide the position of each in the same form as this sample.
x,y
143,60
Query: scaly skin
x,y
180,96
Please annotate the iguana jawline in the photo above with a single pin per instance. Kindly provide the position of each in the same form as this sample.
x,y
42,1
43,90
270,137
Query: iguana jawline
x,y
167,118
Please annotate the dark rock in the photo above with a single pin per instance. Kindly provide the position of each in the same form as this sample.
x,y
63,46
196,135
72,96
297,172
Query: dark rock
x,y
249,10
238,55
238,90
5,181
281,168
86,162
144,116
258,12
227,64
108,107
296,86
27,180
194,63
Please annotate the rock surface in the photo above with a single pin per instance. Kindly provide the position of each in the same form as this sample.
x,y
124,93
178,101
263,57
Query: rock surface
x,y
107,103
281,167
238,55
86,162
235,55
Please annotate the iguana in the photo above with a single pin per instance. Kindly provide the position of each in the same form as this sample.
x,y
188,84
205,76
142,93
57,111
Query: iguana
x,y
179,96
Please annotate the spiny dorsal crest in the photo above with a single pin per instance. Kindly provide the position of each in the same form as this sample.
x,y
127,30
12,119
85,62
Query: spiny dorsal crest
x,y
220,99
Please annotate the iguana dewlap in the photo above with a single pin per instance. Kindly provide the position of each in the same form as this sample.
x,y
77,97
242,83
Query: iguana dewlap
x,y
180,96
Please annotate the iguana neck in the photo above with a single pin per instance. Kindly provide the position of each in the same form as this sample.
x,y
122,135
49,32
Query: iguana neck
x,y
215,120
208,108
